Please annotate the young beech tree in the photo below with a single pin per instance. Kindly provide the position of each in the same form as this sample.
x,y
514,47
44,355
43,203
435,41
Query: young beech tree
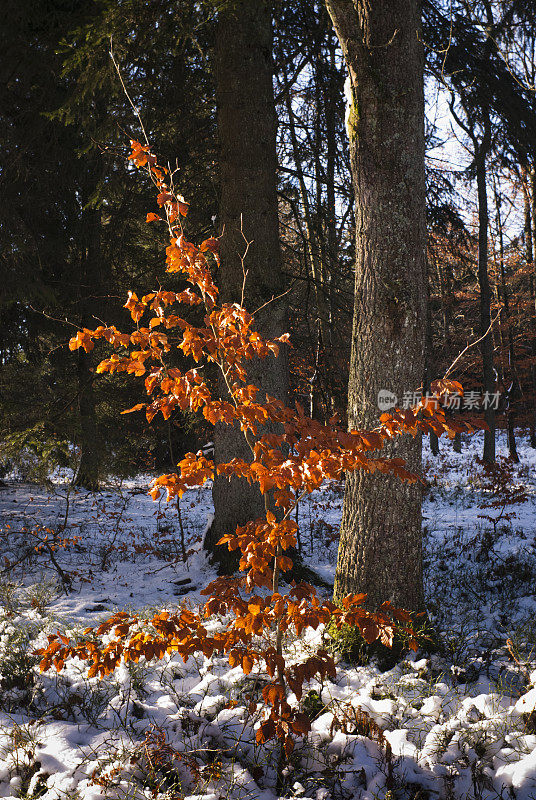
x,y
380,546
285,466
250,246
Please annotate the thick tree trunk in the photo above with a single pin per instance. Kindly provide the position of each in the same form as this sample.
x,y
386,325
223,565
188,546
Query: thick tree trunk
x,y
380,550
248,214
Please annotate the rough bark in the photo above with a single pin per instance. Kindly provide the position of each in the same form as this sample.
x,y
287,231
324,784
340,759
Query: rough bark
x,y
248,214
380,550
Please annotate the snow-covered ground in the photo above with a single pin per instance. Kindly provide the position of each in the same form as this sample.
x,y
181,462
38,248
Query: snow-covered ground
x,y
459,723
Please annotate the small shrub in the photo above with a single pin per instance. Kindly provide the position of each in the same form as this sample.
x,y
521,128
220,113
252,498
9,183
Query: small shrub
x,y
348,642
34,453
9,595
17,663
312,704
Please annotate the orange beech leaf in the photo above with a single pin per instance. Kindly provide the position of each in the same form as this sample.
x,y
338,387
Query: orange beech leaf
x,y
255,606
371,440
136,308
284,563
212,245
137,407
140,154
273,693
446,386
82,339
153,218
163,198
183,206
266,731
248,663
301,723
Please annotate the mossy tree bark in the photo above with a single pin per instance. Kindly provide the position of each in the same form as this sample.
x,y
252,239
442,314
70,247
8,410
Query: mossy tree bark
x,y
380,550
250,249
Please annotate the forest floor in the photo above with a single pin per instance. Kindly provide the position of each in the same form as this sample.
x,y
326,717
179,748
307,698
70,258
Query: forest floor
x,y
460,723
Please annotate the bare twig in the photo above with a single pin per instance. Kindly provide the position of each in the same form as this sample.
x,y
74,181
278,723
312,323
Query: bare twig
x,y
469,346
135,109
243,260
272,300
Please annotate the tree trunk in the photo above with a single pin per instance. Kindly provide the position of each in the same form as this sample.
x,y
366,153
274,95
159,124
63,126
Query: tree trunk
x,y
515,387
313,241
380,551
429,366
530,230
87,475
331,224
248,214
486,345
